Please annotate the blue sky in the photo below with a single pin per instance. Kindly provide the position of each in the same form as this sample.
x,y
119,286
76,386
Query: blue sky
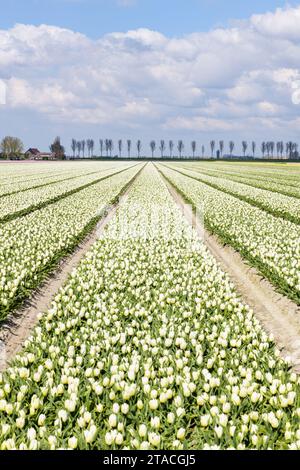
x,y
144,69
97,17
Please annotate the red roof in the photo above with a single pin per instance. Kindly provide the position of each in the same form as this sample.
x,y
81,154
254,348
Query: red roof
x,y
33,151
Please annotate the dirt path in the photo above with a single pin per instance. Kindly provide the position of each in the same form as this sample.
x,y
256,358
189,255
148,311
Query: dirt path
x,y
19,324
278,315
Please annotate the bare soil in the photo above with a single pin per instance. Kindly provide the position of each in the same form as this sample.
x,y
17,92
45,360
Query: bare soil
x,y
277,314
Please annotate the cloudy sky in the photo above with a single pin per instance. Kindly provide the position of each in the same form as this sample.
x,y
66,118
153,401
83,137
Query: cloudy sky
x,y
189,69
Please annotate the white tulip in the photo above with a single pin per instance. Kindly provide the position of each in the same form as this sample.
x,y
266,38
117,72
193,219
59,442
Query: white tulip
x,y
204,420
154,439
116,408
109,439
90,434
153,404
119,439
72,442
125,408
63,415
41,420
145,445
112,421
31,434
218,431
155,422
142,430
180,434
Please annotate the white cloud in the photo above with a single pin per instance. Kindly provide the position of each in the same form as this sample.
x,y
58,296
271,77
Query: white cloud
x,y
282,23
44,97
199,123
268,108
226,80
3,89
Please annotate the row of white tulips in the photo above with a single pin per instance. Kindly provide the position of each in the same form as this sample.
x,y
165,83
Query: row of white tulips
x,y
13,174
30,170
147,346
21,201
286,183
280,204
10,184
31,243
272,243
275,172
24,183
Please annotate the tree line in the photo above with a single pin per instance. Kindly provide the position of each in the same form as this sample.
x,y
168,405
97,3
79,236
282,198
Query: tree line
x,y
170,149
12,146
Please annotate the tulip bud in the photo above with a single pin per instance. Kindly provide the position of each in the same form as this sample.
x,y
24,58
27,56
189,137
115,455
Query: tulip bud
x,y
72,442
180,434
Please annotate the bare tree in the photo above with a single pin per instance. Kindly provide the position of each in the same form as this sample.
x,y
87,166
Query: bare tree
x,y
120,146
152,147
110,146
11,146
203,151
171,147
281,150
180,147
287,149
162,148
263,149
272,147
139,147
221,144
231,147
212,146
83,148
107,146
88,144
278,149
73,147
291,149
194,147
128,147
101,147
57,149
244,147
253,146
78,148
92,144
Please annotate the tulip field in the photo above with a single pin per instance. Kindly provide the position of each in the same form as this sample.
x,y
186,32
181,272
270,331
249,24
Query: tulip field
x,y
147,345
264,226
31,244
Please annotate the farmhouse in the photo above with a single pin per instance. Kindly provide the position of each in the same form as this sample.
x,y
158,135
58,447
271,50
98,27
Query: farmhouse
x,y
32,153
35,154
